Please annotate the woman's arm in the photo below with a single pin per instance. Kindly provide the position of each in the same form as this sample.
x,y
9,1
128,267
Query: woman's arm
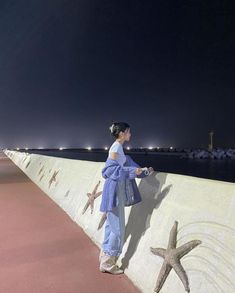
x,y
114,156
132,163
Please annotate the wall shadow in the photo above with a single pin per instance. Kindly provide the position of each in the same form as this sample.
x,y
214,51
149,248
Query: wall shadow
x,y
140,214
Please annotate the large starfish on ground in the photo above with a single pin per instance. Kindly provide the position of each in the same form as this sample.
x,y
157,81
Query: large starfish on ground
x,y
172,256
91,198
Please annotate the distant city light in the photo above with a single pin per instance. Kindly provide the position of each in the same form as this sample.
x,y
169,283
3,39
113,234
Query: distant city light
x,y
17,149
89,148
158,148
61,149
128,148
150,148
171,147
41,148
26,149
105,148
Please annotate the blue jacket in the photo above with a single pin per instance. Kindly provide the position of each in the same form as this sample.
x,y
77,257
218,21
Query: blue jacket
x,y
112,172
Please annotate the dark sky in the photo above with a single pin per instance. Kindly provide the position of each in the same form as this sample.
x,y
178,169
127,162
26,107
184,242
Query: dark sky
x,y
68,68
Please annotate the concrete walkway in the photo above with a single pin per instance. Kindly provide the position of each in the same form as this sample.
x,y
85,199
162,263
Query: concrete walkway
x,y
41,249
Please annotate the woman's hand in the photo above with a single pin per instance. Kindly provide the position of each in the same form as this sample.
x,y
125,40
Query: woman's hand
x,y
150,169
138,171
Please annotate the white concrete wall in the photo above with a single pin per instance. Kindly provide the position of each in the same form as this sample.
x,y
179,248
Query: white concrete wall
x,y
204,209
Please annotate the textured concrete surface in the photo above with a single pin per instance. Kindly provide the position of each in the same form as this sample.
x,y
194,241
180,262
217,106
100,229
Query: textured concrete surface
x,y
203,208
41,248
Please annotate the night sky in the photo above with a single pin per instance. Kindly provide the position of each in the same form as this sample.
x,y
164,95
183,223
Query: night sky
x,y
69,68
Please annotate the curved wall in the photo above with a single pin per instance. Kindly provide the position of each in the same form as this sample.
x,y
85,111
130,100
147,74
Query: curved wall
x,y
204,209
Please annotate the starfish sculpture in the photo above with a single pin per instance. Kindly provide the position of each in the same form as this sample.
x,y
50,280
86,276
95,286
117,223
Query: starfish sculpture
x,y
41,177
53,178
24,159
28,164
172,256
40,171
91,198
67,193
102,220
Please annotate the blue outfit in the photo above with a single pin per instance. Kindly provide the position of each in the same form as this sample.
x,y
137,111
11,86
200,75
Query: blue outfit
x,y
120,190
118,148
114,172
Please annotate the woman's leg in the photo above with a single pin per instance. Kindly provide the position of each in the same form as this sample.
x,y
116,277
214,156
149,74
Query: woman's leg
x,y
114,234
115,226
107,232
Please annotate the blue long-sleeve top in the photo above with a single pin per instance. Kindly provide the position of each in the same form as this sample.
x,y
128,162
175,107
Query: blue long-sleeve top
x,y
112,172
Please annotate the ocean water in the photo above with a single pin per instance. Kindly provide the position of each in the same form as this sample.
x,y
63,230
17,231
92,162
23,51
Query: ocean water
x,y
223,170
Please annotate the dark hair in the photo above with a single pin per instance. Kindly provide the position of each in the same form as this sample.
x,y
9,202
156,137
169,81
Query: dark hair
x,y
117,127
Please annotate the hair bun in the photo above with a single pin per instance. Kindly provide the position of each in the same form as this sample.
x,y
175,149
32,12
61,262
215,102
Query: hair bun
x,y
117,127
112,127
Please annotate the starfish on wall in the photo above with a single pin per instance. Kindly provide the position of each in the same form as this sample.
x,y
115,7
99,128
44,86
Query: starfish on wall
x,y
28,164
40,171
41,177
53,178
91,198
24,159
102,221
172,256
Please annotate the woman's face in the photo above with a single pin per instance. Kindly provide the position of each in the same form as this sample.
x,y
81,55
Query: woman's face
x,y
127,134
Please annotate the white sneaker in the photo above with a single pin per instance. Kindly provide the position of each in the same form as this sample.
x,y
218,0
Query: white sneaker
x,y
115,270
103,253
108,264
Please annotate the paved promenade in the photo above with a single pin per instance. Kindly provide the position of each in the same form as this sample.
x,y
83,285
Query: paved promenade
x,y
41,249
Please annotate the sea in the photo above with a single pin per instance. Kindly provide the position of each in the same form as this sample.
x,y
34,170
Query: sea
x,y
222,169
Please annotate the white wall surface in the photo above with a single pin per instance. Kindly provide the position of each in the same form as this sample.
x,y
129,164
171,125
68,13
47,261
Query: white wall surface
x,y
204,209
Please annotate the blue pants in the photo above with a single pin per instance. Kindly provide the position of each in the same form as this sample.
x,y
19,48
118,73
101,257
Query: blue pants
x,y
115,224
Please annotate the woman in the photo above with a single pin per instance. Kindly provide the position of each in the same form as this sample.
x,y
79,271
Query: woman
x,y
119,190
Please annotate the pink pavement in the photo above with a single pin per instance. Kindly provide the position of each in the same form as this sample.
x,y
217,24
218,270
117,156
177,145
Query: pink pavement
x,y
41,249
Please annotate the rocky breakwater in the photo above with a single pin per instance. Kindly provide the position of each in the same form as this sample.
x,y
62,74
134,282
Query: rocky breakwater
x,y
213,154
